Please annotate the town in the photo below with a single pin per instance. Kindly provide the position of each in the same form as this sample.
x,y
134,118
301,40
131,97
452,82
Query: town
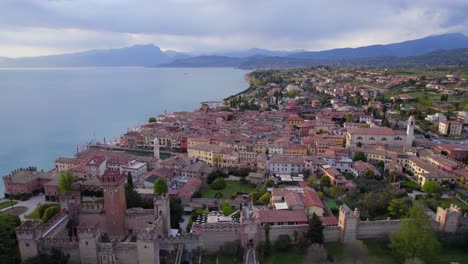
x,y
304,165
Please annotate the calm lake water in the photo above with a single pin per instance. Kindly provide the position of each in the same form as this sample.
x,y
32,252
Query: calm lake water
x,y
47,113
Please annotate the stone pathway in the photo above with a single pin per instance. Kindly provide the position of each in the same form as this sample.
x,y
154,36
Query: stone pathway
x,y
31,204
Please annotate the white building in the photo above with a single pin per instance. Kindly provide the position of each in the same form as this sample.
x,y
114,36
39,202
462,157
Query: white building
x,y
286,164
385,135
136,169
436,117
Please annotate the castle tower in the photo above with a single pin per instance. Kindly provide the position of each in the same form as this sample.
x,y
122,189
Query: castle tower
x,y
348,221
28,235
410,131
88,241
148,245
71,202
162,209
156,149
114,202
448,220
251,229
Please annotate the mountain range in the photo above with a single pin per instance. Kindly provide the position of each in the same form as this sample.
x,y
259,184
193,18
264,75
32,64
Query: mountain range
x,y
438,49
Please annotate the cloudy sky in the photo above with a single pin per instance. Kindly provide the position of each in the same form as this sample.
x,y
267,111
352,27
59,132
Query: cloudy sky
x,y
42,27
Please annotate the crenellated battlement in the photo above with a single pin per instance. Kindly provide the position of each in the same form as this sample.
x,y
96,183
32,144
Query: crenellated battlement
x,y
219,227
30,229
112,178
53,221
180,239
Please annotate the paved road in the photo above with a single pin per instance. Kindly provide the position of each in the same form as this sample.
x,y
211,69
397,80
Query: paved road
x,y
31,204
250,257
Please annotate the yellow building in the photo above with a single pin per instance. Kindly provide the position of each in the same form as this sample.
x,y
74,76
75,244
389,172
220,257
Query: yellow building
x,y
423,171
209,153
296,149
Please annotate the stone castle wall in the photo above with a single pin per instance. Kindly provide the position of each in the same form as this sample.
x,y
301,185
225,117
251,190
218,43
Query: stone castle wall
x,y
93,218
215,235
376,229
138,218
331,233
64,245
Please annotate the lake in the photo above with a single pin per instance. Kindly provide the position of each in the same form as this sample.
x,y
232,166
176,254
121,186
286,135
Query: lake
x,y
47,113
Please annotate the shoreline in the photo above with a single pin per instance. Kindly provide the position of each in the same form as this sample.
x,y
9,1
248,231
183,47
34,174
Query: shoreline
x,y
73,152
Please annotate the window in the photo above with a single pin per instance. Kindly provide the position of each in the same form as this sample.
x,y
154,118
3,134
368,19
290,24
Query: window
x,y
371,138
384,139
359,138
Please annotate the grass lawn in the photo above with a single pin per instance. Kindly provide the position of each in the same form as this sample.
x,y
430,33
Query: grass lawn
x,y
331,203
335,249
410,185
222,259
231,188
285,257
449,255
7,204
16,210
377,252
445,203
33,215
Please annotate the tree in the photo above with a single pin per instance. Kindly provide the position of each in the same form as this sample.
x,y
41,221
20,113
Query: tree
x,y
42,208
49,213
431,188
325,181
359,155
214,175
392,176
226,208
415,237
9,252
397,208
243,172
265,198
152,120
65,182
269,183
337,191
176,211
314,233
197,194
283,243
55,257
129,180
369,174
312,181
349,118
216,159
266,228
160,187
218,184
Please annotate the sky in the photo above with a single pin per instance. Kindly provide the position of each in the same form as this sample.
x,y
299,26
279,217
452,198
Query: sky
x,y
45,27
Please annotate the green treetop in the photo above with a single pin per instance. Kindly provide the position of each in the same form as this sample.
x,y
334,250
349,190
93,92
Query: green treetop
x,y
160,187
65,182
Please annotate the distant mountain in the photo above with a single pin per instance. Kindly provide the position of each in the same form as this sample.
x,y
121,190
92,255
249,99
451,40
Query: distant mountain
x,y
138,55
402,49
439,57
206,61
151,55
257,51
175,55
434,58
369,55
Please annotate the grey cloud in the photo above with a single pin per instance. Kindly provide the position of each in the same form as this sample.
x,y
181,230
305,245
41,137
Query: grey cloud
x,y
265,23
